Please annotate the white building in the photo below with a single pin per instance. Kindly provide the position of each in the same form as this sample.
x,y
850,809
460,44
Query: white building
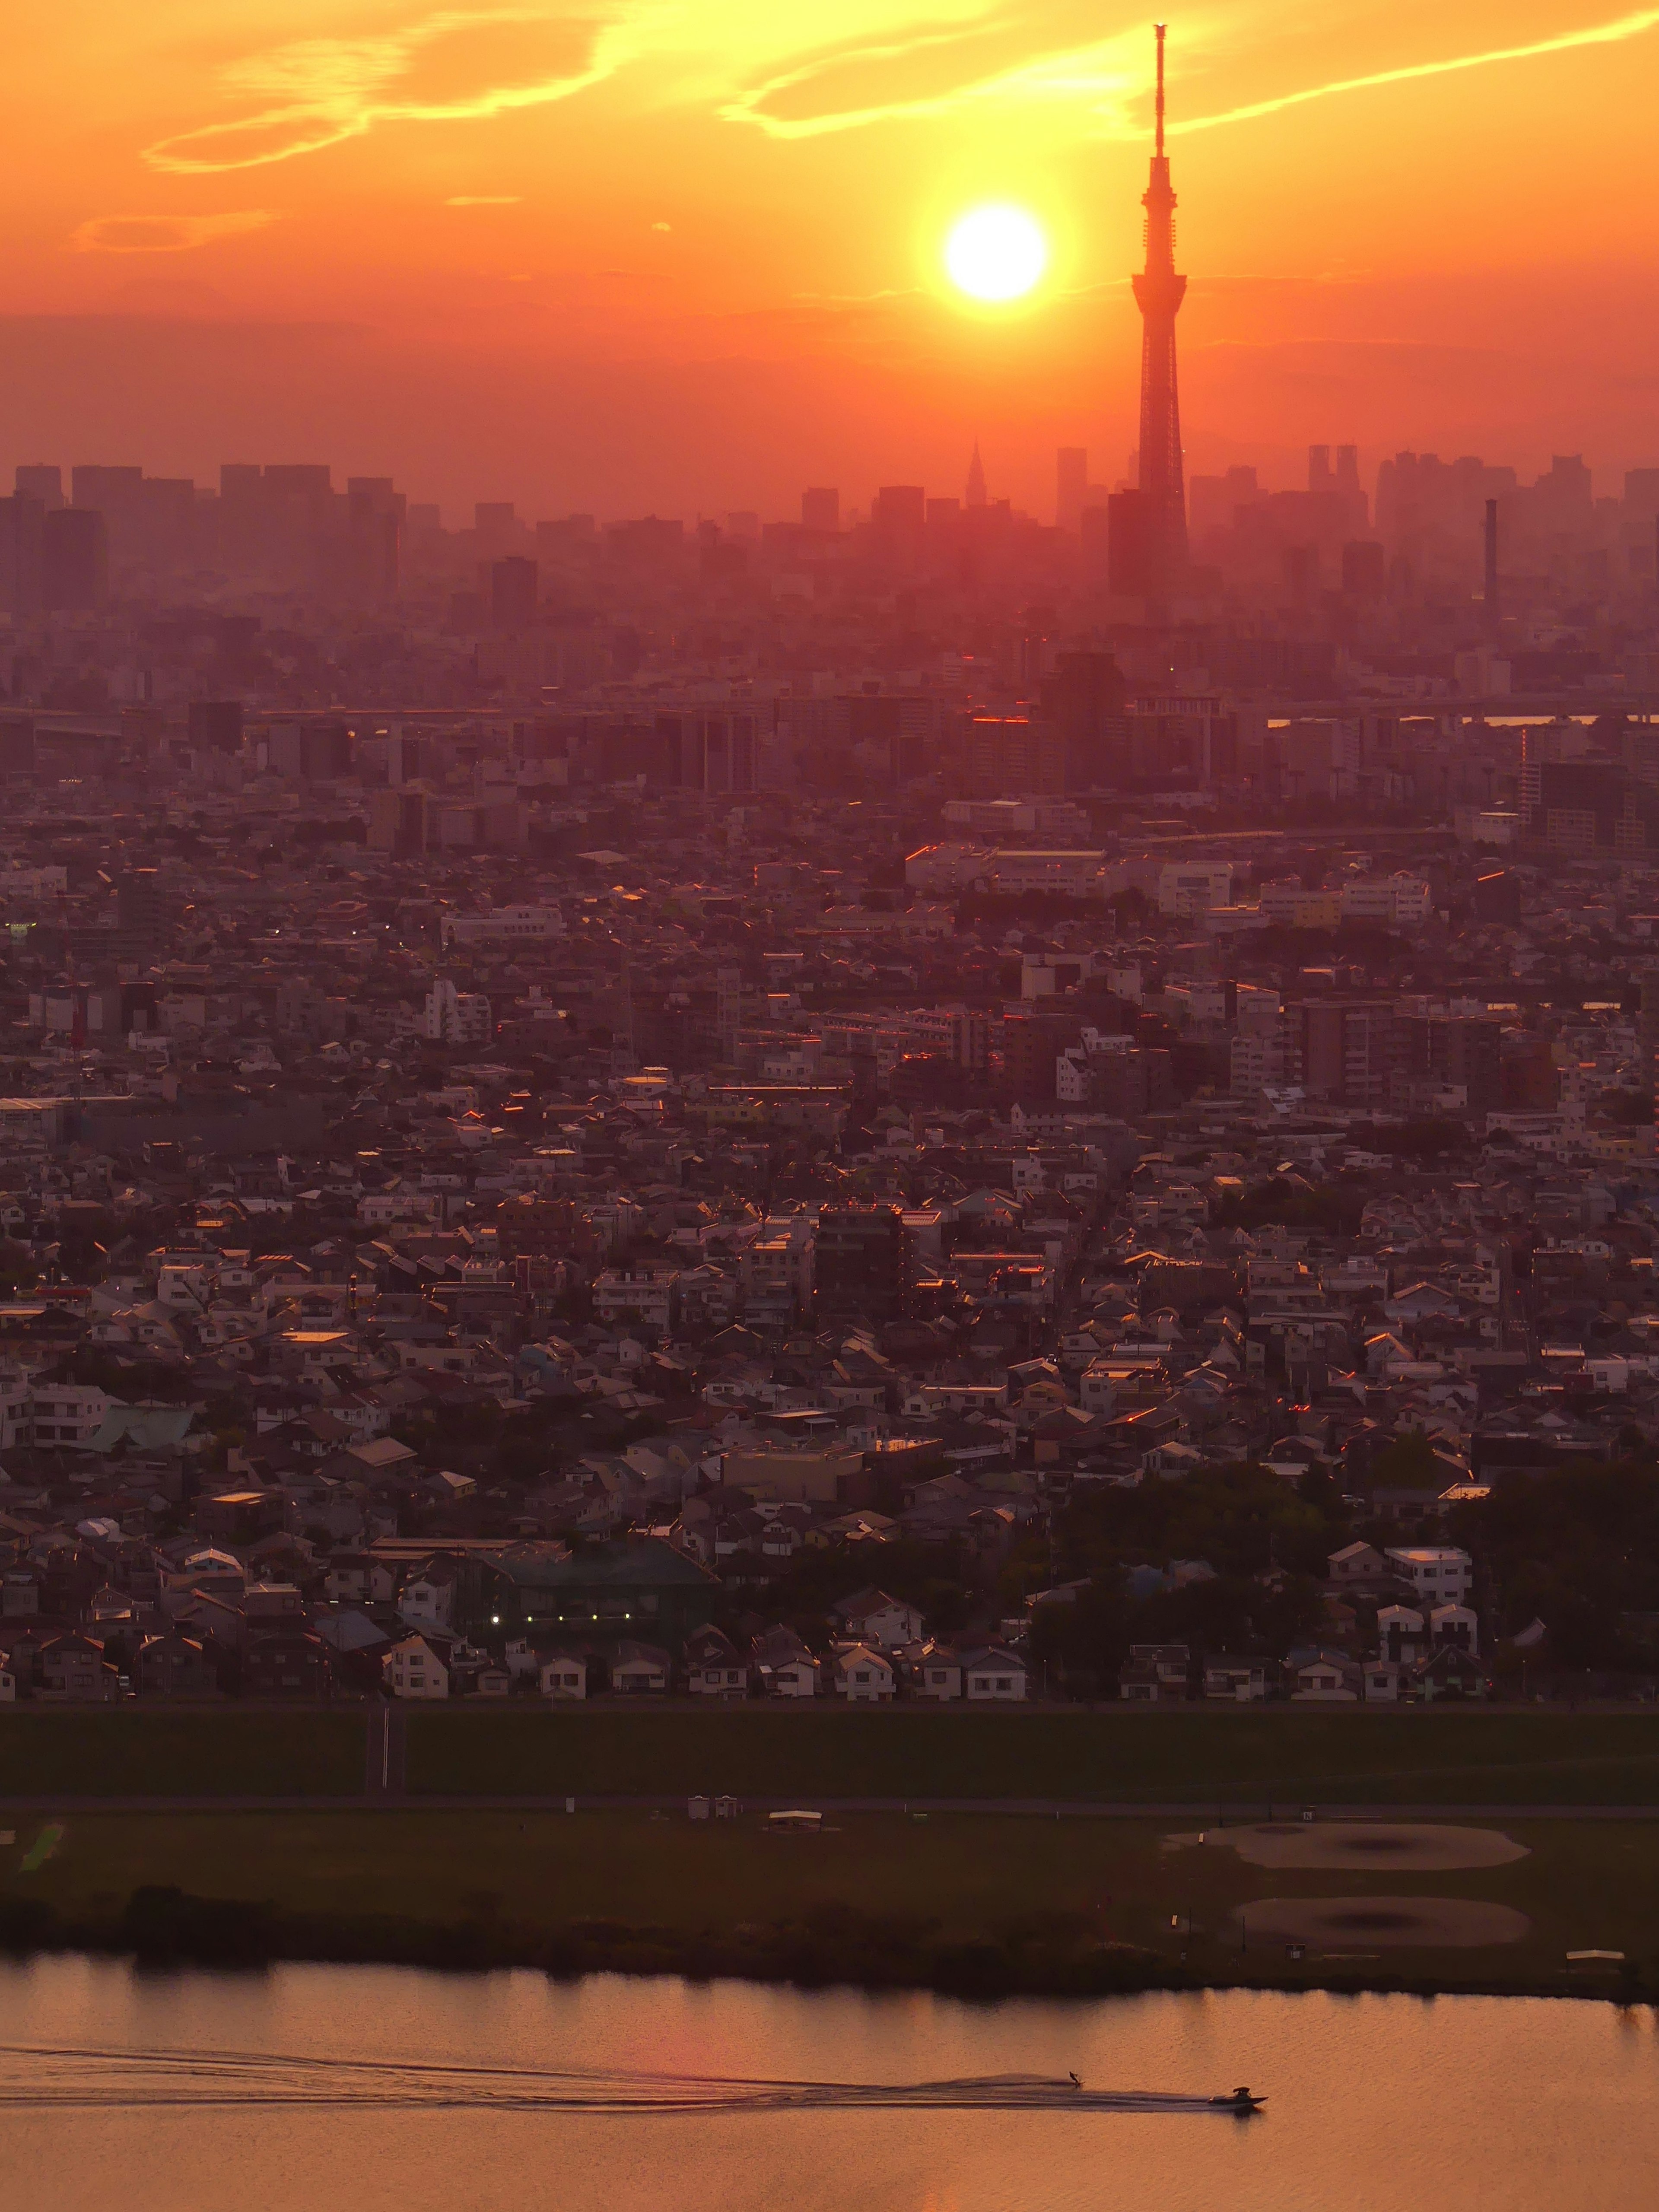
x,y
1441,1574
1192,887
413,1670
1397,902
645,1295
455,1016
505,925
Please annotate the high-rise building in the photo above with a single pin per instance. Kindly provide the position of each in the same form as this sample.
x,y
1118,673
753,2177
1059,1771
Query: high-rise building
x,y
820,508
973,496
44,480
1158,293
75,549
1365,569
214,725
898,518
22,554
496,525
1071,486
514,586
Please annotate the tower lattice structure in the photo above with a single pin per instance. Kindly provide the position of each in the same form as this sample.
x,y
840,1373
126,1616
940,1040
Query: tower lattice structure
x,y
1158,293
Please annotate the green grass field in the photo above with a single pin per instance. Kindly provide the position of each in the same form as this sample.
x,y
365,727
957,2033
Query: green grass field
x,y
1196,1756
129,1750
969,1878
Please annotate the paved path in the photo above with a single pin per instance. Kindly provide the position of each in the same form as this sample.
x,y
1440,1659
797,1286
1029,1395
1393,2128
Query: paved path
x,y
386,1755
1194,1812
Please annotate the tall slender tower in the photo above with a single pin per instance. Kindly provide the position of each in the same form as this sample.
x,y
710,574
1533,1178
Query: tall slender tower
x,y
1158,295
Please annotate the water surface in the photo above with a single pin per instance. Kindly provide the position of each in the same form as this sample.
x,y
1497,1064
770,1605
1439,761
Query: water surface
x,y
370,2089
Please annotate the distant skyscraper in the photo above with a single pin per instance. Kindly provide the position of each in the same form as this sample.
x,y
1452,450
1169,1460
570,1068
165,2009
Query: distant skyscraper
x,y
514,583
1071,486
974,495
1158,293
75,544
820,508
41,480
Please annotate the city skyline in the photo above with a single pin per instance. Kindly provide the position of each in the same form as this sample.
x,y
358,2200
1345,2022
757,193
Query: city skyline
x,y
563,270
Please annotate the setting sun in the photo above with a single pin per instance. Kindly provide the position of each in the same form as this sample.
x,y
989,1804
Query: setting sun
x,y
996,254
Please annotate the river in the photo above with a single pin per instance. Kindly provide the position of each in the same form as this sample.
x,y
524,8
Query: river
x,y
370,2088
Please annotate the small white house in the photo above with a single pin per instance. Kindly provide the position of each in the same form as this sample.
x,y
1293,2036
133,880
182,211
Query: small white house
x,y
1385,1681
412,1668
427,1600
783,1665
1326,1679
640,1670
863,1675
994,1676
1455,1623
1245,1682
871,1616
564,1675
1401,1634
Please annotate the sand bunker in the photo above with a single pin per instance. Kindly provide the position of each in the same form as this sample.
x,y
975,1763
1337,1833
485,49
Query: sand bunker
x,y
1351,1845
1381,1923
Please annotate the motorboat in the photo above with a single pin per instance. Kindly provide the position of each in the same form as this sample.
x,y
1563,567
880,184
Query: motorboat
x,y
1241,2101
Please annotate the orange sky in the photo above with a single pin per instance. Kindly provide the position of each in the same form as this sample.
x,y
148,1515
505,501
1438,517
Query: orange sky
x,y
686,255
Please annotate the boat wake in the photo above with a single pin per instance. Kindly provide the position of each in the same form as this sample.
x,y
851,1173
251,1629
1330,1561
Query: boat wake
x,y
70,2077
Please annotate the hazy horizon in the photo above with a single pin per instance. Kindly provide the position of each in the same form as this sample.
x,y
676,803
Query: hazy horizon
x,y
639,256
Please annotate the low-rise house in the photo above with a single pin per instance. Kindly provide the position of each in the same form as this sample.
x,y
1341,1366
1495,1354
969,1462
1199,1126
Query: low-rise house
x,y
1243,1681
1451,1672
1385,1681
175,1665
286,1663
1328,1677
564,1675
863,1674
1455,1623
1156,1674
714,1666
783,1666
1440,1573
1401,1634
935,1672
640,1669
412,1668
1360,1565
870,1616
72,1669
427,1600
994,1675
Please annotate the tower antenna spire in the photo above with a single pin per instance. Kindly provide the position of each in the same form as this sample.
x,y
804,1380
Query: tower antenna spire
x,y
1160,29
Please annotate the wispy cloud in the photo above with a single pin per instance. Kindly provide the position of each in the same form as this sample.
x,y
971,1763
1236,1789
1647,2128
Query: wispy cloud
x,y
163,234
1102,76
1595,34
318,92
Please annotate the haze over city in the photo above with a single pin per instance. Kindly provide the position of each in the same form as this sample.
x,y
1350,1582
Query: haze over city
x,y
829,1124
685,258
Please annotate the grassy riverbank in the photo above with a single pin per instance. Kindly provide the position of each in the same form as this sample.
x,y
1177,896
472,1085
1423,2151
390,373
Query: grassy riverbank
x,y
984,1904
1194,1755
1201,1756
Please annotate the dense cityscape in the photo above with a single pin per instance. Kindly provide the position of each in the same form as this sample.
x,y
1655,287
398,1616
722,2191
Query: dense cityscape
x,y
817,1324
842,1089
